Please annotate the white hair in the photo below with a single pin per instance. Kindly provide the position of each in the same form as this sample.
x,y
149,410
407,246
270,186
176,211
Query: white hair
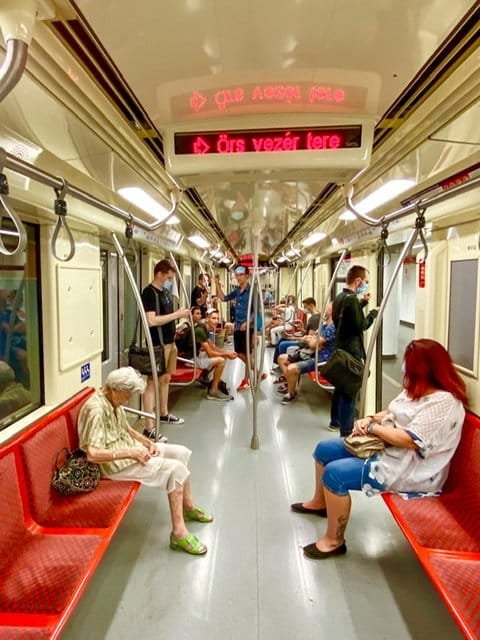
x,y
125,379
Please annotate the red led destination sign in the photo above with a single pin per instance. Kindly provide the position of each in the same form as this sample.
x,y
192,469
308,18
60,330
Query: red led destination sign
x,y
241,141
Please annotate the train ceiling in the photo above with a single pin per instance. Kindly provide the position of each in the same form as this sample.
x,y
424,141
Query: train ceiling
x,y
190,63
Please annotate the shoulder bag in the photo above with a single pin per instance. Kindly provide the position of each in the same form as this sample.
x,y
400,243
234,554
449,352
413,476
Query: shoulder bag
x,y
364,446
76,474
139,357
342,370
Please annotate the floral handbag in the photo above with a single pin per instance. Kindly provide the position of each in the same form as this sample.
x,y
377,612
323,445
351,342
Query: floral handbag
x,y
76,474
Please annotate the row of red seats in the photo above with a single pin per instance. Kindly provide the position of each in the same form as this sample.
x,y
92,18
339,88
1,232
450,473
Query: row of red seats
x,y
444,531
50,545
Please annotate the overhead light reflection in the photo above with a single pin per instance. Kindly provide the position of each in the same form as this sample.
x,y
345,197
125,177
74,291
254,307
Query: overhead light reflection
x,y
380,196
142,200
314,238
199,241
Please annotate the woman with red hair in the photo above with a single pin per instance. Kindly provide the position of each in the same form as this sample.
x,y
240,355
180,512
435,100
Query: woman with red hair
x,y
421,429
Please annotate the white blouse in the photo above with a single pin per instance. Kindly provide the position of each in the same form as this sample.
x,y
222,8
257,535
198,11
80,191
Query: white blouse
x,y
435,424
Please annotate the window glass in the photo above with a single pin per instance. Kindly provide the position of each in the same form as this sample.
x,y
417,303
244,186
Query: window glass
x,y
21,382
462,312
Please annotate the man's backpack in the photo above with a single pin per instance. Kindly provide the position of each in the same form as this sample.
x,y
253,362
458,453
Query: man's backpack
x,y
183,340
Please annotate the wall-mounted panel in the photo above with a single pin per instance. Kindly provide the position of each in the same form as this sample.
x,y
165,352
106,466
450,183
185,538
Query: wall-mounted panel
x,y
79,314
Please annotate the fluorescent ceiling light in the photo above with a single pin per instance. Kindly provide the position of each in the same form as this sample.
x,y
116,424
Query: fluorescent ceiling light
x,y
199,241
291,253
314,238
172,220
282,259
142,200
217,254
383,194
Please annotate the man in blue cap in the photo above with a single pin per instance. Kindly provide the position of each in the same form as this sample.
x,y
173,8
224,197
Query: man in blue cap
x,y
240,297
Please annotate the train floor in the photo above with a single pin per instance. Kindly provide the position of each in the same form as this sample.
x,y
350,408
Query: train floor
x,y
254,582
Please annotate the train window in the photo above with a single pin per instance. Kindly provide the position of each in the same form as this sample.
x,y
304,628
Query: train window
x,y
462,312
20,360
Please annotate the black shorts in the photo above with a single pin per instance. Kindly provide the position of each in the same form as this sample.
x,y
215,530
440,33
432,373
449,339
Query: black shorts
x,y
240,341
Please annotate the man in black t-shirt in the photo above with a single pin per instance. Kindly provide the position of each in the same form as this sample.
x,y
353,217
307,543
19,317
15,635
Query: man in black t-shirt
x,y
200,294
161,317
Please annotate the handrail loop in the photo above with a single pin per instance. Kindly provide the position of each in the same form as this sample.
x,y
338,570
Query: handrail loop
x,y
417,231
60,208
420,226
6,207
382,243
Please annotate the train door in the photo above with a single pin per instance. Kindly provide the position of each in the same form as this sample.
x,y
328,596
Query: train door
x,y
111,308
398,327
119,309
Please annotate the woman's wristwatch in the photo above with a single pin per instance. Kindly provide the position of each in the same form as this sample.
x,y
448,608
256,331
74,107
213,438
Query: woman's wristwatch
x,y
370,426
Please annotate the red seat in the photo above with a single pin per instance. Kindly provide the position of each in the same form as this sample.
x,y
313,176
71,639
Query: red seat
x,y
39,572
100,508
185,374
50,544
458,581
324,383
445,531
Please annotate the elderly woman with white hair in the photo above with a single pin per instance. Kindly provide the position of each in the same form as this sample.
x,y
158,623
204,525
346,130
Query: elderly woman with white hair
x,y
124,454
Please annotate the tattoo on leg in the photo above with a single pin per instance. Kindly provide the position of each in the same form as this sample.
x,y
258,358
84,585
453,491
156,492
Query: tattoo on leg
x,y
342,525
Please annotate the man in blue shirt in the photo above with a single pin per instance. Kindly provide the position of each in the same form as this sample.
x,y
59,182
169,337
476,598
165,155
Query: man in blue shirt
x,y
240,297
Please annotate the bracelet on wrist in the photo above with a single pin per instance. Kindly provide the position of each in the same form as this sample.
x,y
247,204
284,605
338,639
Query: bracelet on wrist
x,y
370,427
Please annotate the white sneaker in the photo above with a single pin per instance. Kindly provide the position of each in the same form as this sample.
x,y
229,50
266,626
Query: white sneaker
x,y
217,395
171,419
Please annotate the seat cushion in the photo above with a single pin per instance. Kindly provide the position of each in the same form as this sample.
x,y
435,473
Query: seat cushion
x,y
26,633
45,572
450,522
100,508
12,527
460,580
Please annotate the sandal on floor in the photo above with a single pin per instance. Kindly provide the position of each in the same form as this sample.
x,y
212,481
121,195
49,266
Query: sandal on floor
x,y
198,514
189,544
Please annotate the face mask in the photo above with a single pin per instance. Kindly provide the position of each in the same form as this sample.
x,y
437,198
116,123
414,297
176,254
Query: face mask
x,y
167,285
362,288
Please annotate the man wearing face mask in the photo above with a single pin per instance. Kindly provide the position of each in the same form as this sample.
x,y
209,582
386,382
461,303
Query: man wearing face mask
x,y
158,305
350,323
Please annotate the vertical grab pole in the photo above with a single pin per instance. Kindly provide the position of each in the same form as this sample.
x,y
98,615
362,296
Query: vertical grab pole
x,y
328,291
255,289
184,289
378,320
146,328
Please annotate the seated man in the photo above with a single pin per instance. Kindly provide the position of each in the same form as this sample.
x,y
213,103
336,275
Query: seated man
x,y
293,367
124,454
209,356
310,308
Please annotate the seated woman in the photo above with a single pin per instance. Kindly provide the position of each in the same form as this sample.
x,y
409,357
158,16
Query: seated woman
x,y
124,454
421,428
287,321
